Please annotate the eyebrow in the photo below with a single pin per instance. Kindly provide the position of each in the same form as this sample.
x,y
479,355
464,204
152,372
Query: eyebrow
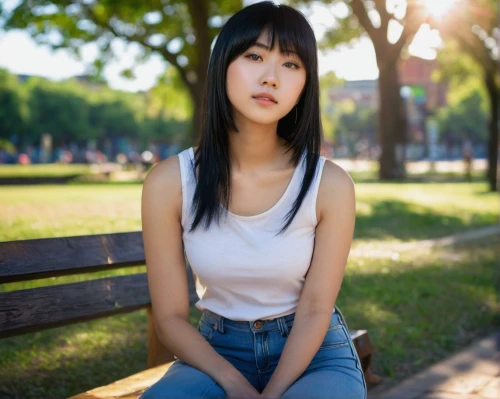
x,y
265,47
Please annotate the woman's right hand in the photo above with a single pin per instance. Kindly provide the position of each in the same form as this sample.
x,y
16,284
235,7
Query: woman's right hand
x,y
244,392
241,389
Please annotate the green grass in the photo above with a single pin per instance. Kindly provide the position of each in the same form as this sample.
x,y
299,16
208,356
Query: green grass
x,y
418,307
55,211
385,211
423,305
416,211
43,170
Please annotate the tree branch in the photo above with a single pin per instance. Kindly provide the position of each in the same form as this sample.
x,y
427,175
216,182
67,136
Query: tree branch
x,y
141,39
385,16
359,9
415,17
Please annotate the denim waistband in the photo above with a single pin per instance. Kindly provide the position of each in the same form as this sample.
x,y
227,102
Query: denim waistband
x,y
279,323
220,322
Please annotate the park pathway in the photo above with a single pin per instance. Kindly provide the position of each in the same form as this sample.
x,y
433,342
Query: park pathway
x,y
389,250
473,373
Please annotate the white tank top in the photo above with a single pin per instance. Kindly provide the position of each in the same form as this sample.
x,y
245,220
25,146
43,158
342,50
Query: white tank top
x,y
242,270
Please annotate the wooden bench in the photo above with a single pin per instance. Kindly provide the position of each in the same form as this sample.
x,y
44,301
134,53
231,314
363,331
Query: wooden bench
x,y
29,310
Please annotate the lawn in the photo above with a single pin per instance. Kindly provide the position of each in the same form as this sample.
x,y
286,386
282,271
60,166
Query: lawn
x,y
385,211
419,306
43,170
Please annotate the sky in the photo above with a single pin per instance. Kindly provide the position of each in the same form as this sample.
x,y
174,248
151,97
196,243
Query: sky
x,y
20,54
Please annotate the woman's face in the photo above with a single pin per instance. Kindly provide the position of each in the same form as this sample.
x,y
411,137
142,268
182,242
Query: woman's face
x,y
262,70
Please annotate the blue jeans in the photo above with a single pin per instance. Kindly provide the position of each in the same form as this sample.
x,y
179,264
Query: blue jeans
x,y
254,349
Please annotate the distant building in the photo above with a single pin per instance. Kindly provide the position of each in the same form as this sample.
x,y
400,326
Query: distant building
x,y
363,92
414,72
420,93
417,73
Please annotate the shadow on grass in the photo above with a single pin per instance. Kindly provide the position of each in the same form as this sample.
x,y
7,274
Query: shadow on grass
x,y
407,222
419,312
66,361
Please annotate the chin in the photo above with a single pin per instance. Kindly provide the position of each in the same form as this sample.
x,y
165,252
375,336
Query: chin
x,y
261,118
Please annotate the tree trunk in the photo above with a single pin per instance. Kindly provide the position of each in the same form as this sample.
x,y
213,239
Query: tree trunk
x,y
199,11
493,130
392,124
191,139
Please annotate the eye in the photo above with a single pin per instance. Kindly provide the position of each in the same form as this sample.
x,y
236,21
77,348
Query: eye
x,y
295,66
254,57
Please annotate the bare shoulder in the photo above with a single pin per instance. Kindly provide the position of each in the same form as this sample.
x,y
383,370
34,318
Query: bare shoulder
x,y
336,190
163,183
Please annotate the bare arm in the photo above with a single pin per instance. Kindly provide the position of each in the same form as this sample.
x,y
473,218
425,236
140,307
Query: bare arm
x,y
336,202
161,209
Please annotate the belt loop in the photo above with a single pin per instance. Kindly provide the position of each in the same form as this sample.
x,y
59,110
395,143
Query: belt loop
x,y
341,316
221,324
282,326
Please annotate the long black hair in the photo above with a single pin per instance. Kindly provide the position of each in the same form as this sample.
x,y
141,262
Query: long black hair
x,y
241,31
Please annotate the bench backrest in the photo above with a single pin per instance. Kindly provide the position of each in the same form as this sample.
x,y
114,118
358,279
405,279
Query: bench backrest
x,y
29,310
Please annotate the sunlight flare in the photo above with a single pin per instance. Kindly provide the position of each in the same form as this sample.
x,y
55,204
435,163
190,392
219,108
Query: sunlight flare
x,y
439,8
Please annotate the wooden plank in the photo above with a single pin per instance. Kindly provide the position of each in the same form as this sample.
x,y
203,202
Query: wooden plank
x,y
132,387
51,257
46,307
36,309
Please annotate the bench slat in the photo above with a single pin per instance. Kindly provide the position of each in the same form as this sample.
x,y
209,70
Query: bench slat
x,y
46,307
36,309
51,257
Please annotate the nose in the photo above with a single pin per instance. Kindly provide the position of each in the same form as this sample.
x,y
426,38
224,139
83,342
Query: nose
x,y
269,78
271,81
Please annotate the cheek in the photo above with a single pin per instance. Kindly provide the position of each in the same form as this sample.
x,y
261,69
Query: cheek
x,y
235,81
300,83
292,90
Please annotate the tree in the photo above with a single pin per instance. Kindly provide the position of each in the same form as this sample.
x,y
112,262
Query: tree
x,y
13,110
373,18
180,31
60,109
466,116
329,115
471,28
357,126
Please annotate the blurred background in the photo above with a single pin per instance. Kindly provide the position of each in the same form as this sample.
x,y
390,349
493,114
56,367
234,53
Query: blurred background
x,y
94,93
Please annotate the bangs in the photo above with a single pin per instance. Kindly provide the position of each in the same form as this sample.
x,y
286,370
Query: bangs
x,y
280,23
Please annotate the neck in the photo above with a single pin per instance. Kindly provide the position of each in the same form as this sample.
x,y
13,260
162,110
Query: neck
x,y
257,149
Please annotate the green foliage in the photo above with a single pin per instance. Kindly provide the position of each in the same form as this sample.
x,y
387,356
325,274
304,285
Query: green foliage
x,y
13,110
58,109
329,115
74,111
467,114
357,124
179,31
7,146
170,98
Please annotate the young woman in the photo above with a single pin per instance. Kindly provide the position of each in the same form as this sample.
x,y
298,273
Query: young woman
x,y
266,224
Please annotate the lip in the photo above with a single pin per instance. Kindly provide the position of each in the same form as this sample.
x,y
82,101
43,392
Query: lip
x,y
265,95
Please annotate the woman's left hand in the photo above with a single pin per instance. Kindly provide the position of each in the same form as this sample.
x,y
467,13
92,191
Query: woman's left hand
x,y
265,395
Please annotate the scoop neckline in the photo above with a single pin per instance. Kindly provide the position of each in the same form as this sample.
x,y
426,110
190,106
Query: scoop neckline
x,y
270,210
